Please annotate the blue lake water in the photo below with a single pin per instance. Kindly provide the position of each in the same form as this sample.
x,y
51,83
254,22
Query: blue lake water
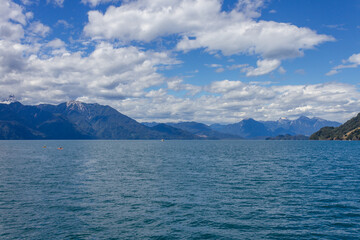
x,y
179,190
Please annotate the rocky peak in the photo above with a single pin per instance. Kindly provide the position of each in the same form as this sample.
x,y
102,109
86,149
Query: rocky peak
x,y
76,105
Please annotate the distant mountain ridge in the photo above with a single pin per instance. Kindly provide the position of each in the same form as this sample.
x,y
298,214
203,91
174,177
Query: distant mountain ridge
x,y
199,129
300,126
250,128
75,120
350,130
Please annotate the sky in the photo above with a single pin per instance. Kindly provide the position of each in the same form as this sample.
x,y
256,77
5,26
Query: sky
x,y
209,61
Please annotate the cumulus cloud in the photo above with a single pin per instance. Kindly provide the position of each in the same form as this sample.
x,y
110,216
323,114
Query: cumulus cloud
x,y
11,59
202,24
267,39
231,101
37,29
263,67
178,85
56,43
119,77
355,59
108,72
352,62
12,20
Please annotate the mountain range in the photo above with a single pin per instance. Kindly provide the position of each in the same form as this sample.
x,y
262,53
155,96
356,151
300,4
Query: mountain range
x,y
252,129
77,120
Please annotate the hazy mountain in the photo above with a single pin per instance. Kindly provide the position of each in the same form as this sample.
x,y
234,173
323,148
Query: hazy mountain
x,y
301,126
250,128
199,129
170,131
347,131
247,128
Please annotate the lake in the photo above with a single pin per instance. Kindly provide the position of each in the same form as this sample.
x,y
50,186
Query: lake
x,y
179,190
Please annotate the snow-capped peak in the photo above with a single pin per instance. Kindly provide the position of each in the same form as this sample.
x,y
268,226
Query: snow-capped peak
x,y
75,105
283,119
8,100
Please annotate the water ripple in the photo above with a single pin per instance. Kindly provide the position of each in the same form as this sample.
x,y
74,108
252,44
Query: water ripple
x,y
179,190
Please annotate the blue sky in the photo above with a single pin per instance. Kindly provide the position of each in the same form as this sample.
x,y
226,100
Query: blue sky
x,y
185,60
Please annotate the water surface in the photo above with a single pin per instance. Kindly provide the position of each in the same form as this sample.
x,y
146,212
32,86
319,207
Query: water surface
x,y
179,190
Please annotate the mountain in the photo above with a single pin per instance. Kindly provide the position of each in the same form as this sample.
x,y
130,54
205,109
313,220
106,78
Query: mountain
x,y
199,129
202,130
77,120
74,120
247,128
301,126
19,121
101,122
250,128
350,130
172,131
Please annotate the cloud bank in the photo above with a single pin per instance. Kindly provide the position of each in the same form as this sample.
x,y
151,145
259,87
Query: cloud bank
x,y
202,24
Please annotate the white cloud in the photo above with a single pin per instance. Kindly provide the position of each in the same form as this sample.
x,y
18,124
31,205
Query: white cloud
x,y
120,77
332,72
355,58
202,24
59,3
146,20
237,66
37,29
232,101
219,67
263,67
220,70
27,2
178,85
108,72
56,43
340,27
281,70
268,39
94,3
12,20
352,62
11,60
63,23
213,65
